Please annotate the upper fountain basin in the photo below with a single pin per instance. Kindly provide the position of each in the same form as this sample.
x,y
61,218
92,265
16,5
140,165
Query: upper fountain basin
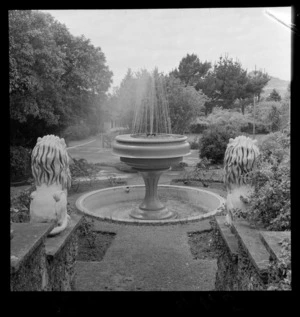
x,y
161,146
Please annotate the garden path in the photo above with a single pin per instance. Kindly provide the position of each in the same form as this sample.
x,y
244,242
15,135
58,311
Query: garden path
x,y
148,258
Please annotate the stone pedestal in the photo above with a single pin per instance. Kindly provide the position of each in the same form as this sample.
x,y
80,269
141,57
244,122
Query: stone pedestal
x,y
151,208
28,270
40,262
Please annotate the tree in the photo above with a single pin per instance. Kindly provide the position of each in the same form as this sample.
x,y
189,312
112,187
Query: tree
x,y
191,70
185,104
285,110
122,102
55,79
225,83
274,96
257,80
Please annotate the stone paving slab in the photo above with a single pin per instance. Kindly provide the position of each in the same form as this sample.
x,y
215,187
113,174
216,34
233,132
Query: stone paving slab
x,y
250,238
272,239
148,258
227,235
102,276
26,238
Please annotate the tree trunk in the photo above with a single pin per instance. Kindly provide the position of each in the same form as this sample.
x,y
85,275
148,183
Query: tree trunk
x,y
243,108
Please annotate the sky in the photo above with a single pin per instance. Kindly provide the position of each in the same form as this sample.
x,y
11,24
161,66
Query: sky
x,y
149,38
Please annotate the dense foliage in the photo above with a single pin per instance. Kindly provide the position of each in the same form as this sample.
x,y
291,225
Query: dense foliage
x,y
55,78
20,163
20,205
213,142
268,114
226,83
191,70
76,132
274,96
269,206
280,272
184,102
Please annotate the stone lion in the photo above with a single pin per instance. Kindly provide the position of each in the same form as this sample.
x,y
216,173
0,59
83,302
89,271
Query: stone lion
x,y
240,157
50,169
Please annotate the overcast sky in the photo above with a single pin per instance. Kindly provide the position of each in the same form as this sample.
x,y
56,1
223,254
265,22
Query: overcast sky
x,y
162,37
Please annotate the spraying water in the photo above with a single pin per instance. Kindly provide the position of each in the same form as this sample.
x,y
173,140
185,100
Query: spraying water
x,y
151,116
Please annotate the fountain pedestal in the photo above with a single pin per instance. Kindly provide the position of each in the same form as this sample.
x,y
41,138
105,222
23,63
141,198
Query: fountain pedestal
x,y
151,157
151,208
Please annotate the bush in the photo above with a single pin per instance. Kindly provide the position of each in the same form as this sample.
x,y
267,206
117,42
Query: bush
x,y
225,117
260,128
194,144
20,206
280,272
269,205
76,132
199,126
268,114
179,166
214,141
20,163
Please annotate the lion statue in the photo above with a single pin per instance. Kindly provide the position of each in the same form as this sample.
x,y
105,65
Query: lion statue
x,y
50,170
240,157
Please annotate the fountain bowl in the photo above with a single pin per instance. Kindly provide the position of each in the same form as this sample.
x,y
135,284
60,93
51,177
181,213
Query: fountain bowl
x,y
157,152
117,203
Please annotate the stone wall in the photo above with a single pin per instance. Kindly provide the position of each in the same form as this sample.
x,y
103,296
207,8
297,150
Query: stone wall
x,y
61,253
244,255
28,270
42,263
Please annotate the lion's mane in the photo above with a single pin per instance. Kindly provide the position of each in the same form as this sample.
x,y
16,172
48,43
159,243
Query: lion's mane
x,y
240,156
50,162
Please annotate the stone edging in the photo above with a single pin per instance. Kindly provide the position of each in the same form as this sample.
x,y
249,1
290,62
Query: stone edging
x,y
245,254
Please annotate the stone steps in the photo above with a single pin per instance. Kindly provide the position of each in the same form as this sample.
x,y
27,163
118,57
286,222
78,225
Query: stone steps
x,y
246,255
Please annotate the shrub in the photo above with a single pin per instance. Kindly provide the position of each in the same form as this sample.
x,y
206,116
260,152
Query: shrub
x,y
81,168
194,144
280,272
199,126
275,146
260,128
225,117
76,132
20,206
20,162
86,231
268,114
214,141
179,166
269,204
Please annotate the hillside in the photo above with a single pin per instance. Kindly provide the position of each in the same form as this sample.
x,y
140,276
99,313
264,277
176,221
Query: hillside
x,y
275,83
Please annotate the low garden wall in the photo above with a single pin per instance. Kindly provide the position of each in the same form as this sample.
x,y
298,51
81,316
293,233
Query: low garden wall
x,y
244,255
42,263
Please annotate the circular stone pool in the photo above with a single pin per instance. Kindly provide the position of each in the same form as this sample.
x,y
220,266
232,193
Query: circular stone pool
x,y
115,204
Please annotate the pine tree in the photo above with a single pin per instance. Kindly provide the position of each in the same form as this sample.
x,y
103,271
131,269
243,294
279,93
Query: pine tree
x,y
274,96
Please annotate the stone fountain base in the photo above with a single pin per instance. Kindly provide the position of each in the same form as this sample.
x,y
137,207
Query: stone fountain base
x,y
120,204
164,213
151,208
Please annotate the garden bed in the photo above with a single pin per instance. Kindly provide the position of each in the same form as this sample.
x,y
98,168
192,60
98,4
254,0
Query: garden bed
x,y
201,245
94,251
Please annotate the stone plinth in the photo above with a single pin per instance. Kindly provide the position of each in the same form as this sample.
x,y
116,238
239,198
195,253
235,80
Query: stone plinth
x,y
40,262
61,252
28,259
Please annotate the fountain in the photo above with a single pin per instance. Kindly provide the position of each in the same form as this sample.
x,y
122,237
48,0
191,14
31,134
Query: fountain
x,y
151,149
